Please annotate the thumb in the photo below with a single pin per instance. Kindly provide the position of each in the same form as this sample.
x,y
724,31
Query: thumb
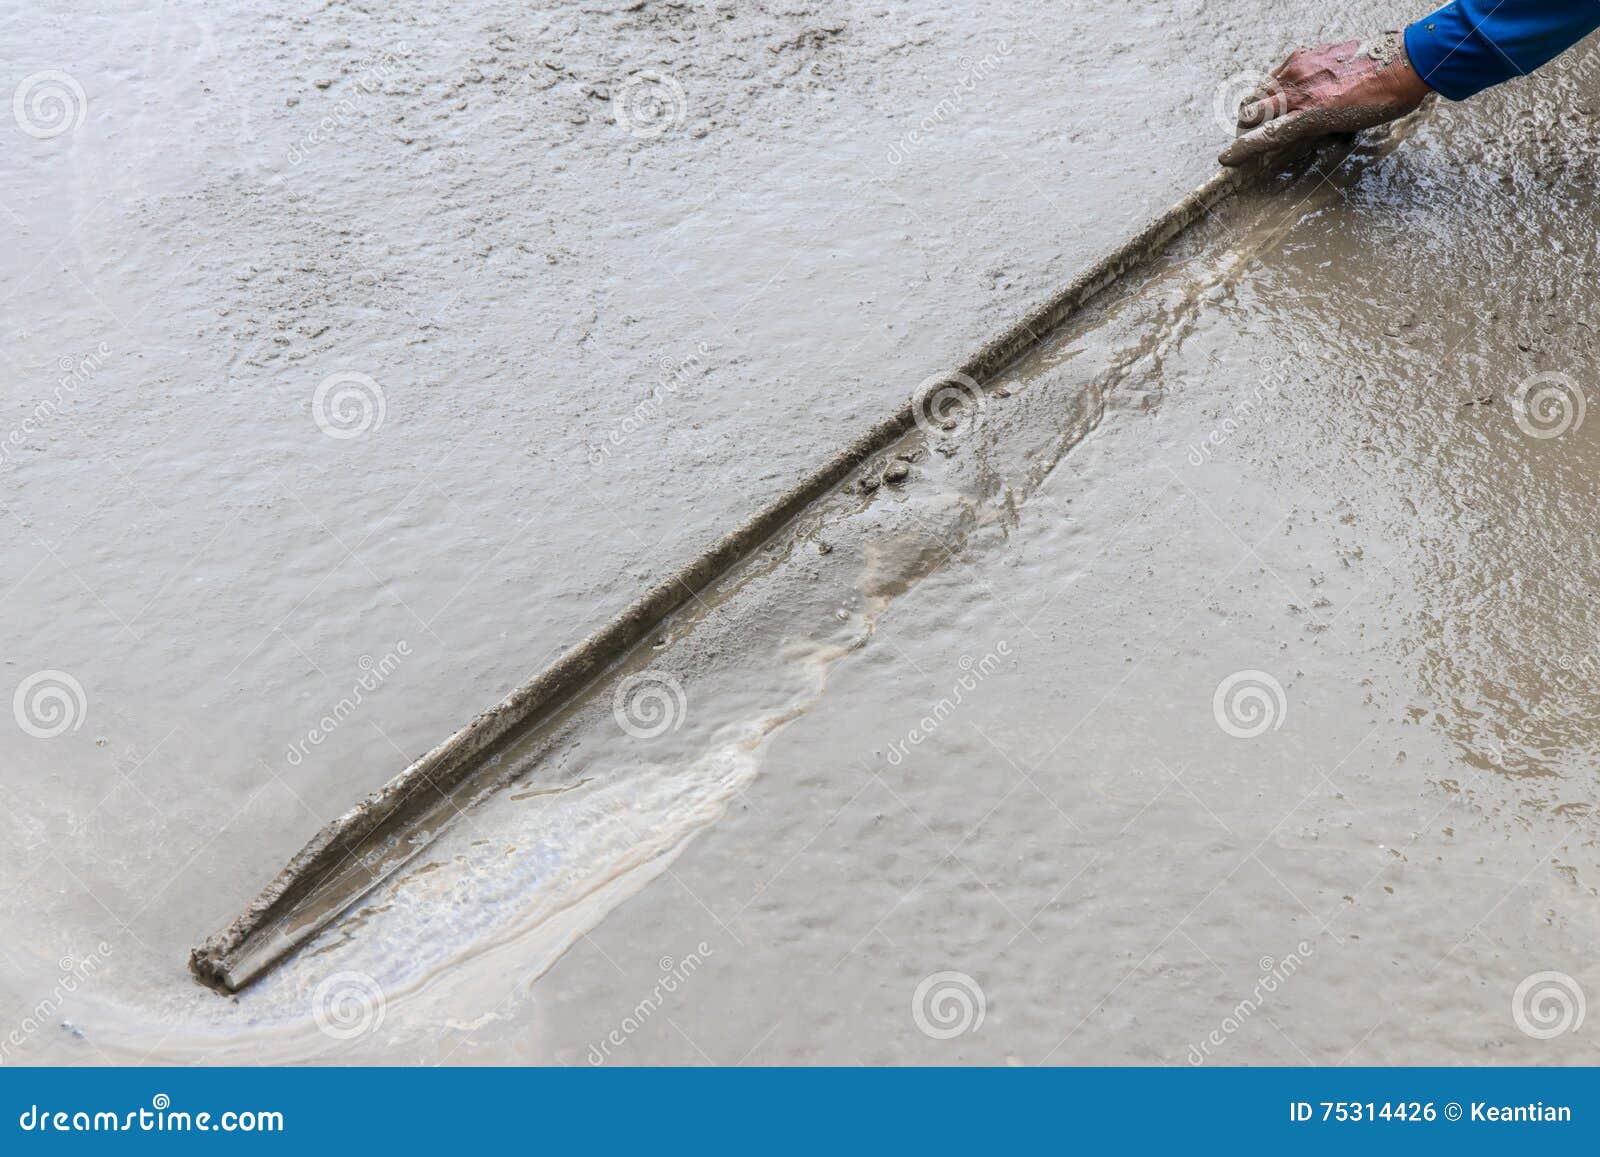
x,y
1270,137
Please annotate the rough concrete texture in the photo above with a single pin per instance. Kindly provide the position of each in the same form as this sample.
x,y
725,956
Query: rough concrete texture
x,y
593,349
1257,730
337,865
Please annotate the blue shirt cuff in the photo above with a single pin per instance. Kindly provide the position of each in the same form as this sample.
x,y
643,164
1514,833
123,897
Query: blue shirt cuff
x,y
1449,55
1469,45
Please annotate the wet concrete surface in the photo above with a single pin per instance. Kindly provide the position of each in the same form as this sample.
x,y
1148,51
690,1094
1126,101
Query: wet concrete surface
x,y
1288,470
1213,701
1296,492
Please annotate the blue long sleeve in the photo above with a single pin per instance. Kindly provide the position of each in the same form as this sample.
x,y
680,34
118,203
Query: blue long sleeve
x,y
1468,45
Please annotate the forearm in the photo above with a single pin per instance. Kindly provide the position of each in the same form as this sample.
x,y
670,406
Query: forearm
x,y
1469,45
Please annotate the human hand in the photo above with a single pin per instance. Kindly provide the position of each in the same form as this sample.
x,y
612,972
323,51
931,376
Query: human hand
x,y
1334,88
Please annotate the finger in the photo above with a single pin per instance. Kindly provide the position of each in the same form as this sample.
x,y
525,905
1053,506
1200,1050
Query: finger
x,y
1270,99
1258,108
1282,71
1270,137
1252,98
1260,92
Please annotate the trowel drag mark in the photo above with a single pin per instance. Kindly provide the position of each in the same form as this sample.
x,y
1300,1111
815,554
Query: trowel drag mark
x,y
366,845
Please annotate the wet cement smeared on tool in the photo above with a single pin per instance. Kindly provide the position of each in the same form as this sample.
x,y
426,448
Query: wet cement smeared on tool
x,y
360,848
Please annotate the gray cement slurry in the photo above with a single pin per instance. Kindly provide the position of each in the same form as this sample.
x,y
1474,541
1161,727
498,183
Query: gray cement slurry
x,y
1257,728
562,357
1215,694
339,865
1453,263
